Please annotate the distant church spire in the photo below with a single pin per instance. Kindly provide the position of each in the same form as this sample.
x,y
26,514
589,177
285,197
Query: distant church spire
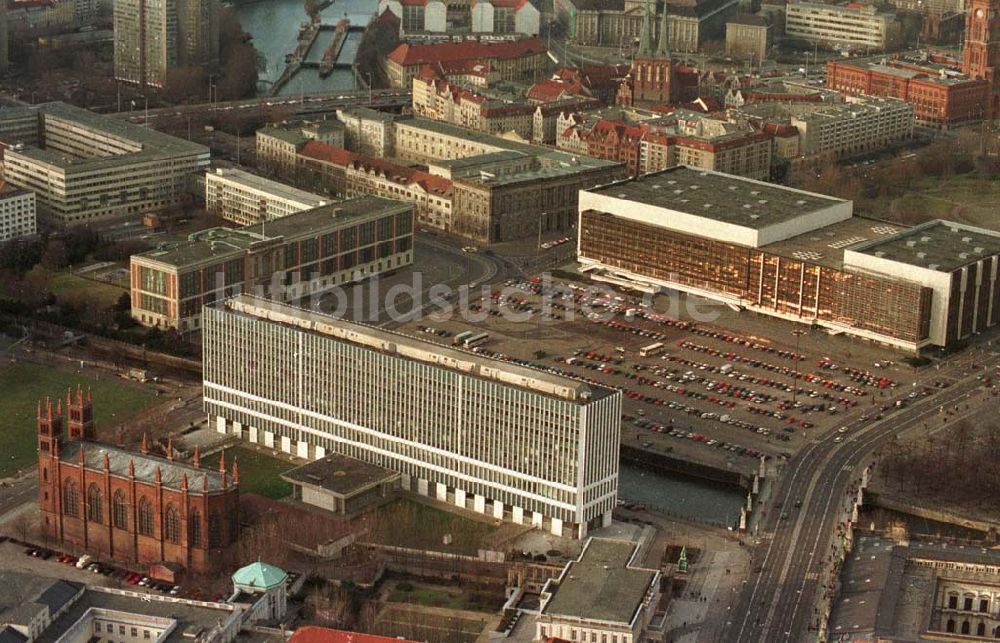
x,y
663,49
646,35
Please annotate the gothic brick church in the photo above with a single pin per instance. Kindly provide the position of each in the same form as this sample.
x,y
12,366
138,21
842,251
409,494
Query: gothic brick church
x,y
131,507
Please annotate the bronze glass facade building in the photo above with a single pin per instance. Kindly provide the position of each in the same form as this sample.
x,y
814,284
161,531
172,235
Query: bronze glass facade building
x,y
794,255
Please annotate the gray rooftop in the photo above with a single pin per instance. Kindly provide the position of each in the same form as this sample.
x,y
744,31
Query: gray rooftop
x,y
153,145
368,113
481,159
419,349
218,244
935,245
339,474
171,472
193,619
723,197
21,606
59,594
10,635
600,585
870,587
825,246
909,65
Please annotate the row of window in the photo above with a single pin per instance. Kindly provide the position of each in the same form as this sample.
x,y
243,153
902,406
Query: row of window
x,y
146,525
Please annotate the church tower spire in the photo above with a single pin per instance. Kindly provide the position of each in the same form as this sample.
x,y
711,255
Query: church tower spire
x,y
646,35
663,47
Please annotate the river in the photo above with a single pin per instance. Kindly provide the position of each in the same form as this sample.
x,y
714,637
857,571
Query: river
x,y
274,26
692,499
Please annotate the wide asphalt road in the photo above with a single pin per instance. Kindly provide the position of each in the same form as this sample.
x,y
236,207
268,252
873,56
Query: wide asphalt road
x,y
789,566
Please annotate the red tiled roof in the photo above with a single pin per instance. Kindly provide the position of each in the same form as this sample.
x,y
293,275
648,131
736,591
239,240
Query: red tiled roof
x,y
552,89
402,174
407,54
509,4
312,634
328,153
413,3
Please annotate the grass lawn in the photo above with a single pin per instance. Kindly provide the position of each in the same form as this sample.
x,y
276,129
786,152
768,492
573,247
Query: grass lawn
x,y
258,472
24,384
66,284
405,523
455,599
966,199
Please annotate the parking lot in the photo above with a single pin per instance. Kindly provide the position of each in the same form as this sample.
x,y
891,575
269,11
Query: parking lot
x,y
49,562
722,393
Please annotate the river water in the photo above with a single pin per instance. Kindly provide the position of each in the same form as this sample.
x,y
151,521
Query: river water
x,y
274,26
688,498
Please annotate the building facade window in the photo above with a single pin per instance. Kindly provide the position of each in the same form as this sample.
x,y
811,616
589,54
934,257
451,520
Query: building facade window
x,y
194,528
172,525
145,518
119,510
95,504
214,530
71,499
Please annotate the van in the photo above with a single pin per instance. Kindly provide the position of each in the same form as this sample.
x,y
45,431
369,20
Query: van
x,y
84,561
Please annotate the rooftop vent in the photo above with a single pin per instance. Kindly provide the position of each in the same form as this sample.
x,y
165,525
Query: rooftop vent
x,y
622,195
694,187
678,191
707,206
978,250
933,266
671,182
921,255
800,202
911,243
925,239
747,206
762,201
754,192
754,216
966,239
656,187
879,253
963,255
732,187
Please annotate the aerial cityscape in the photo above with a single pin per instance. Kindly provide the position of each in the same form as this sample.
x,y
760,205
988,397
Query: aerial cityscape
x,y
486,321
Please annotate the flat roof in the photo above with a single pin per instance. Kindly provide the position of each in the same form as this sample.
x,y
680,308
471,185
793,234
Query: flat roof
x,y
418,349
278,190
192,617
727,198
154,145
600,585
483,138
870,588
936,245
825,246
482,159
339,474
221,243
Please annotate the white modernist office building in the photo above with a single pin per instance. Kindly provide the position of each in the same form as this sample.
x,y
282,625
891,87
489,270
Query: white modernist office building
x,y
486,435
247,199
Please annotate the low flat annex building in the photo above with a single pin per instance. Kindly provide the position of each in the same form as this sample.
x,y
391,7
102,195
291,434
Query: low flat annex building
x,y
290,258
341,485
86,168
600,596
485,435
792,254
247,199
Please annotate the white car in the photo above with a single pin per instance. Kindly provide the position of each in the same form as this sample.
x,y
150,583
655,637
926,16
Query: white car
x,y
842,429
839,438
84,561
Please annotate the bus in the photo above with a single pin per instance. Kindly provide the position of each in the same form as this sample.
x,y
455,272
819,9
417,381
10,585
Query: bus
x,y
461,337
476,340
652,349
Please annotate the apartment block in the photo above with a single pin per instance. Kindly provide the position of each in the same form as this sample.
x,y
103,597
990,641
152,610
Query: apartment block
x,y
856,127
293,257
523,60
851,26
17,213
86,168
153,37
749,37
246,199
484,435
277,145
